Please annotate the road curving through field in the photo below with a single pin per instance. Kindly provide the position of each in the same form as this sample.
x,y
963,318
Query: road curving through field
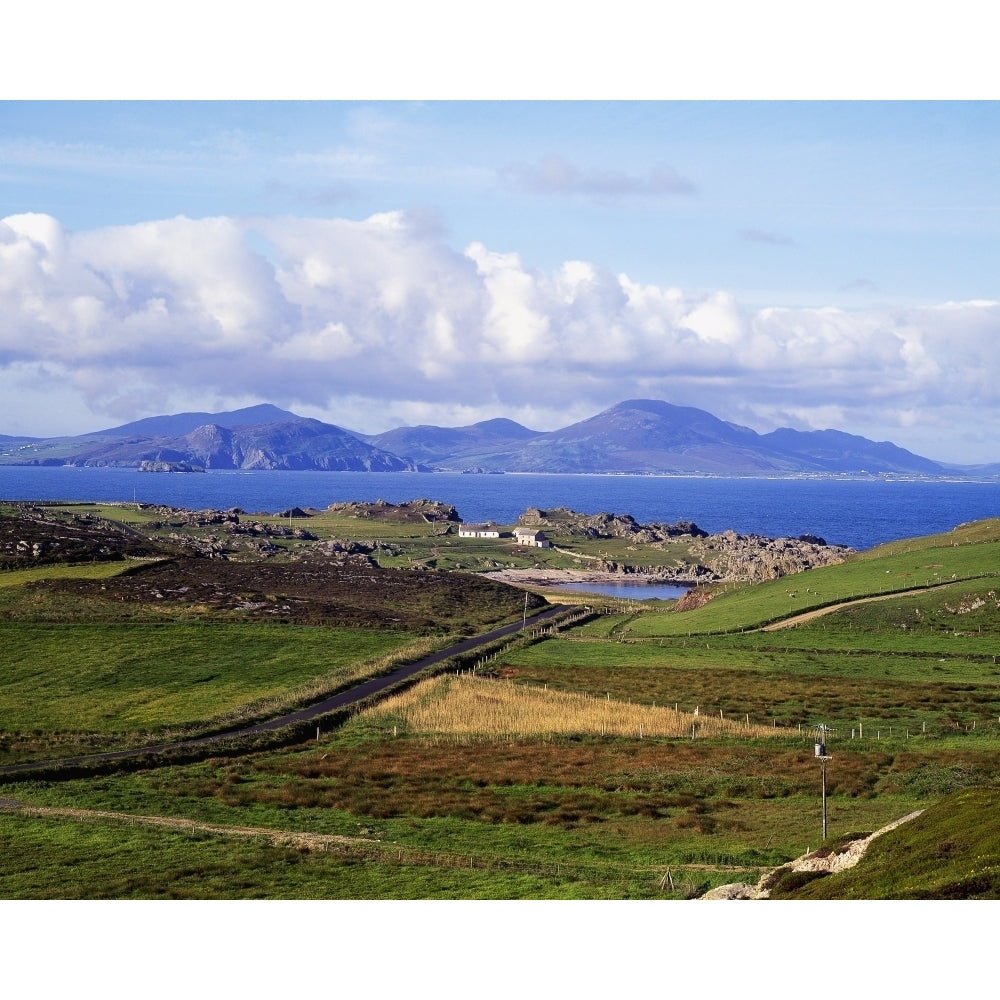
x,y
341,700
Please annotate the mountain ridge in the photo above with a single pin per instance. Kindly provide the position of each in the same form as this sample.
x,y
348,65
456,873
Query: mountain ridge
x,y
178,424
636,436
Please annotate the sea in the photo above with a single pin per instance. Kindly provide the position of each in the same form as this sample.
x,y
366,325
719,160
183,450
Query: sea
x,y
859,512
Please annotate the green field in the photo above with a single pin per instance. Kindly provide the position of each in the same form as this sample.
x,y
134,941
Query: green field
x,y
139,678
90,571
927,565
109,860
381,808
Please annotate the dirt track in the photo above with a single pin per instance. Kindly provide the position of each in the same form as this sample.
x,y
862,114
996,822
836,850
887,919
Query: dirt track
x,y
279,838
807,616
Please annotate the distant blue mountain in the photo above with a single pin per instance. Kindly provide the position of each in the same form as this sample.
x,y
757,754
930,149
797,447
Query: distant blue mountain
x,y
835,451
653,436
183,423
635,436
448,445
258,437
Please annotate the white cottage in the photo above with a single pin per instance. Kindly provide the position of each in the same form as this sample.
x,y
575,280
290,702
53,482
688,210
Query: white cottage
x,y
478,531
532,537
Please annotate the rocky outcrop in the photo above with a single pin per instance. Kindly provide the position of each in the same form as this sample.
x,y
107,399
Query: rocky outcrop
x,y
294,512
414,511
694,598
608,525
754,558
702,558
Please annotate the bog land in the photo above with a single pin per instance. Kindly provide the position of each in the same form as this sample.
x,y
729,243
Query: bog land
x,y
625,749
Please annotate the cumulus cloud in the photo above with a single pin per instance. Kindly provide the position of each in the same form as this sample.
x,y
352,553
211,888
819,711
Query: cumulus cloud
x,y
556,175
378,321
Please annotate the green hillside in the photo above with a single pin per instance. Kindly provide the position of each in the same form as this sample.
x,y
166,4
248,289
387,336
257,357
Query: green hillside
x,y
950,851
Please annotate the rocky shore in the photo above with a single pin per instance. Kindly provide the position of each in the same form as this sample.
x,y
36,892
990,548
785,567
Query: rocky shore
x,y
701,558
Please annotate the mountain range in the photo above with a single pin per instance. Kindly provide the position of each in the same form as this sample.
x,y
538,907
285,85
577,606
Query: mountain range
x,y
638,436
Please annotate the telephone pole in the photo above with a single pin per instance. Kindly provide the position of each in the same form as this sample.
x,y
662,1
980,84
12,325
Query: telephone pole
x,y
823,758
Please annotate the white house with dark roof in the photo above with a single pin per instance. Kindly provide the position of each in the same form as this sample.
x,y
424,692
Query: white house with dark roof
x,y
532,537
478,531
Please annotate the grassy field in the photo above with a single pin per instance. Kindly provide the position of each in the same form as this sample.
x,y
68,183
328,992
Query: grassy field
x,y
975,567
546,817
142,678
903,663
114,860
87,571
571,766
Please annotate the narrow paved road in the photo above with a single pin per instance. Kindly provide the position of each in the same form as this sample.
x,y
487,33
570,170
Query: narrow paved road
x,y
348,697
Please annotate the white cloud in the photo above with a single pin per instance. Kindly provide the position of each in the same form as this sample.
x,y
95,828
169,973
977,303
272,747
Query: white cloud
x,y
514,328
332,343
717,320
378,320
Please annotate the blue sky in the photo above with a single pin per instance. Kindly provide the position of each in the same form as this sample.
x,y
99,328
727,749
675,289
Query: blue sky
x,y
373,263
791,203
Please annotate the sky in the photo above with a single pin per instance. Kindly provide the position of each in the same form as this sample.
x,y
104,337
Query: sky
x,y
375,262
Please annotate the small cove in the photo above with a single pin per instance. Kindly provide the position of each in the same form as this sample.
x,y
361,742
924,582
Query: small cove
x,y
627,591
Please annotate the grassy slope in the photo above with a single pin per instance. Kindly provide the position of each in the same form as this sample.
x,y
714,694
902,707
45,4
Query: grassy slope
x,y
950,851
924,563
86,571
850,674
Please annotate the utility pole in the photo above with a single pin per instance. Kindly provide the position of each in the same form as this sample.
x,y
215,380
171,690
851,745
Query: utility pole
x,y
823,758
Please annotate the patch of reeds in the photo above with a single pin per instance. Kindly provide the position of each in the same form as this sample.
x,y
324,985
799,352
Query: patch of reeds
x,y
473,707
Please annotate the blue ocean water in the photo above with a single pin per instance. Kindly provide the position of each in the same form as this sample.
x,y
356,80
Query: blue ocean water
x,y
856,512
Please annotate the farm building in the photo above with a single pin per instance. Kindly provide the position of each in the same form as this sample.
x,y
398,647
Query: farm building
x,y
529,536
478,531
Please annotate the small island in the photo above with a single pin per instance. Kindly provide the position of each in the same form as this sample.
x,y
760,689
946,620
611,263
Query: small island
x,y
153,466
